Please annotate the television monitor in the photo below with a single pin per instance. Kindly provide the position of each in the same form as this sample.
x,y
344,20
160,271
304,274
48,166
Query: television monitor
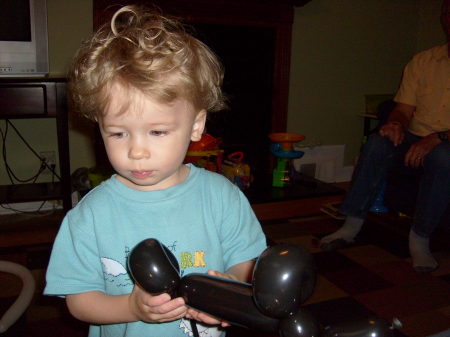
x,y
23,38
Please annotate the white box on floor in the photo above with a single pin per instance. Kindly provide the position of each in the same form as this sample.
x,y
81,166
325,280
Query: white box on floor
x,y
324,163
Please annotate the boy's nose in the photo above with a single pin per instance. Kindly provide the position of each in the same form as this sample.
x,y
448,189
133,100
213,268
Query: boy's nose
x,y
138,152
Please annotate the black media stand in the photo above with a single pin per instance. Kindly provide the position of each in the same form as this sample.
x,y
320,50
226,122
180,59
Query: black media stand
x,y
303,198
28,98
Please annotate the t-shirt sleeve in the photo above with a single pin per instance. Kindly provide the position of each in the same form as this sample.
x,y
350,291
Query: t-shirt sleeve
x,y
407,91
74,265
241,232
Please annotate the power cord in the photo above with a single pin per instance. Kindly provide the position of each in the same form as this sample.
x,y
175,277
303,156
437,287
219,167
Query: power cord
x,y
14,178
10,172
194,328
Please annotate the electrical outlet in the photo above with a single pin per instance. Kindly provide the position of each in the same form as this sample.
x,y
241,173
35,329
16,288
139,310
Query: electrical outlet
x,y
50,158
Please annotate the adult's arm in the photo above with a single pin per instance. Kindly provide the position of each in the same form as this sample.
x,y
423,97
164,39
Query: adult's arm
x,y
395,128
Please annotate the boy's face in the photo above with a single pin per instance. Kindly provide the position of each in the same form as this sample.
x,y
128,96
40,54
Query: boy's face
x,y
146,141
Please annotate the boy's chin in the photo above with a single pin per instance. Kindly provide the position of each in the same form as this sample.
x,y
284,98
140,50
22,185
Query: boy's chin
x,y
138,184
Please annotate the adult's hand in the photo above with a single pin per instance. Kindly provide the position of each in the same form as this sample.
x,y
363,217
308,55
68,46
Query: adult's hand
x,y
393,131
397,123
417,152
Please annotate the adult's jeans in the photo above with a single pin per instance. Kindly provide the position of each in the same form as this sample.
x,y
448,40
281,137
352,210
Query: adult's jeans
x,y
378,156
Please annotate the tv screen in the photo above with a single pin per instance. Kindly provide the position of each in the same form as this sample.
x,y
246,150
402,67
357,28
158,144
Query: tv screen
x,y
23,38
15,24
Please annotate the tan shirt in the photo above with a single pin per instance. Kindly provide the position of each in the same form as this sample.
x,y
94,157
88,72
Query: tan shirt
x,y
426,85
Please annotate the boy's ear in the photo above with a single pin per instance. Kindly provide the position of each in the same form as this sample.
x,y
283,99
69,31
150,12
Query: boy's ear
x,y
199,126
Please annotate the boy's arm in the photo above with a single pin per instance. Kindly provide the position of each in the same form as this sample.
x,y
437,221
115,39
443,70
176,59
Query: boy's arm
x,y
99,308
242,271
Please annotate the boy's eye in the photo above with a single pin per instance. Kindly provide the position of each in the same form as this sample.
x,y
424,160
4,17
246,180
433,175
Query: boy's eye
x,y
118,134
158,133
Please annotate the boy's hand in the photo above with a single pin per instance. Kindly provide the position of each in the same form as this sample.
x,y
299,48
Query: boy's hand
x,y
205,318
159,308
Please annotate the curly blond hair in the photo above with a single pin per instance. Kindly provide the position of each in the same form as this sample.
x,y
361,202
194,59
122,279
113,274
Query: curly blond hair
x,y
144,50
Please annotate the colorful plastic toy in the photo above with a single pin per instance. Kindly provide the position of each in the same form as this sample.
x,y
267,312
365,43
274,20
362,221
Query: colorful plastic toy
x,y
206,153
236,170
283,149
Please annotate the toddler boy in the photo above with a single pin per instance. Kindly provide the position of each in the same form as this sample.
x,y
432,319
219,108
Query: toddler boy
x,y
149,84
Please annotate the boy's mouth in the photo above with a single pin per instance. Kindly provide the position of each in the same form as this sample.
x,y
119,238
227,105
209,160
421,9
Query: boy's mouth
x,y
141,174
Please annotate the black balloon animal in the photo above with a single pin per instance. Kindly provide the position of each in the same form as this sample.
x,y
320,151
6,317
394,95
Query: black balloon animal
x,y
283,279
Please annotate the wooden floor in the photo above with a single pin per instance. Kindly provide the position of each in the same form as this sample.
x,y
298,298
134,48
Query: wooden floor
x,y
375,275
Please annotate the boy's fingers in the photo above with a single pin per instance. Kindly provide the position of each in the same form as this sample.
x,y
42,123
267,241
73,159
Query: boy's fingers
x,y
168,306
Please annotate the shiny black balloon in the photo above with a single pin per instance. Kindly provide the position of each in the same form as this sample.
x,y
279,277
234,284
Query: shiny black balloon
x,y
371,327
299,324
154,268
283,278
284,275
225,299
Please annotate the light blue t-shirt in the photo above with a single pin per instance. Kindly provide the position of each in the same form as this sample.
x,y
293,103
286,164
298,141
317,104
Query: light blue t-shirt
x,y
205,221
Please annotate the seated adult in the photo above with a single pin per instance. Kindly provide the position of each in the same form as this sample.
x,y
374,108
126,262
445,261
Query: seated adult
x,y
416,134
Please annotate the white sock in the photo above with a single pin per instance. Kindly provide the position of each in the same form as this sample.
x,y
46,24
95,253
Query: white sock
x,y
419,248
347,232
